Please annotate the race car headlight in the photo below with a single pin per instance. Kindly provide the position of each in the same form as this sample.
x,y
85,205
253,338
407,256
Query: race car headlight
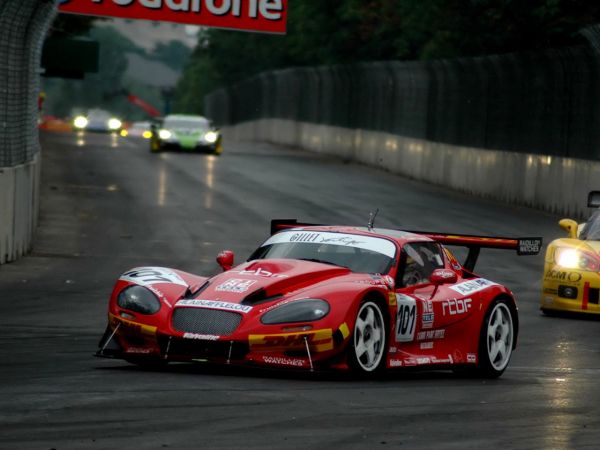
x,y
165,134
570,258
147,134
80,122
211,137
114,124
306,310
138,299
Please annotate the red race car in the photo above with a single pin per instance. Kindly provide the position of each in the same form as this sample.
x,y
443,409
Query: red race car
x,y
316,296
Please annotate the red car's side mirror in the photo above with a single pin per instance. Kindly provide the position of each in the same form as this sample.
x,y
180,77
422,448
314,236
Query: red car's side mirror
x,y
443,276
225,259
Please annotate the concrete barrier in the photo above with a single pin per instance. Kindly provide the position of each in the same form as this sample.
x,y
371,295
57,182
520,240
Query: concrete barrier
x,y
19,206
553,184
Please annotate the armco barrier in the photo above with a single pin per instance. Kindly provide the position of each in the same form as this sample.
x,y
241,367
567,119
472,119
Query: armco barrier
x,y
521,128
543,102
19,197
555,184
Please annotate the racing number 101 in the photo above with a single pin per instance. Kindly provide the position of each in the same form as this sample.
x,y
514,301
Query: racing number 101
x,y
405,319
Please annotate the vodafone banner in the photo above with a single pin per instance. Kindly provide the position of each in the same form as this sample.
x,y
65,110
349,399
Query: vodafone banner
x,y
268,16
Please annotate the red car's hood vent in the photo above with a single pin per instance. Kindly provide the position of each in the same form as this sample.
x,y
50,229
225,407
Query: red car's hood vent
x,y
260,296
266,280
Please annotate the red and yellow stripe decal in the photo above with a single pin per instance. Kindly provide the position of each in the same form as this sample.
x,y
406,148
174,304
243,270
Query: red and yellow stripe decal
x,y
318,341
131,325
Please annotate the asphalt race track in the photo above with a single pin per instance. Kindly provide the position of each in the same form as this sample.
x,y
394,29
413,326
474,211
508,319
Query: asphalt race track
x,y
109,205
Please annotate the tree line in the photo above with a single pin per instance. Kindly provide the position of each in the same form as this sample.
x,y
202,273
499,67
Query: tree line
x,y
349,31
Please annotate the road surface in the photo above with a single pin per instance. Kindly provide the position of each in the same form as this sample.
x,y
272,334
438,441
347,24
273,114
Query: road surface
x,y
109,205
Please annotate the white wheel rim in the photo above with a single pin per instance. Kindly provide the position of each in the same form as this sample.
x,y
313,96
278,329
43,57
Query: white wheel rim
x,y
499,336
369,336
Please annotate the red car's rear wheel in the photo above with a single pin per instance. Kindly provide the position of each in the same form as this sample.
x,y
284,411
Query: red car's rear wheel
x,y
496,339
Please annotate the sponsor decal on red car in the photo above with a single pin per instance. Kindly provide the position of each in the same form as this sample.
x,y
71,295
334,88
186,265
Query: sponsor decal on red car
x,y
283,361
146,276
131,326
201,337
447,360
455,306
431,334
235,285
472,286
213,304
258,272
428,316
318,341
139,350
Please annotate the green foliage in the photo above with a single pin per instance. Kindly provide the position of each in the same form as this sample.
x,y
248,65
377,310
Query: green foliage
x,y
347,31
174,54
199,76
454,28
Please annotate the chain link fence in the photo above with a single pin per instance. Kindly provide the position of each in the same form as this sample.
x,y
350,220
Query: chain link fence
x,y
23,24
538,102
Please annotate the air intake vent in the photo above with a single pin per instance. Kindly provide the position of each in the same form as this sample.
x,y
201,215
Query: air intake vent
x,y
205,321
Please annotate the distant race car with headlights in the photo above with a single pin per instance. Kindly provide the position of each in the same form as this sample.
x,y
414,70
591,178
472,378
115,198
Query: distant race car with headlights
x,y
317,297
186,132
138,130
97,120
571,280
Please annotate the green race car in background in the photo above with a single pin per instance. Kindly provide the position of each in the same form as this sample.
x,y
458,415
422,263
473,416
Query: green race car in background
x,y
187,133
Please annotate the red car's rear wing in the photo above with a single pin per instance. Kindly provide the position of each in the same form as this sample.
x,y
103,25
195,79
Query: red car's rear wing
x,y
523,246
284,224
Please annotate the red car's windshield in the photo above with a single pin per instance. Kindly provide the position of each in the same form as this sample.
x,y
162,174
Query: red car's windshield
x,y
363,254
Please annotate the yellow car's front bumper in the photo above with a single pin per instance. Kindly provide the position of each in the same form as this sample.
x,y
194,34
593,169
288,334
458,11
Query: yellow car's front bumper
x,y
570,290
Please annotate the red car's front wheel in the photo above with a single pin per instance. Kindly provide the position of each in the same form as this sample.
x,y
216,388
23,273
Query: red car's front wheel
x,y
367,352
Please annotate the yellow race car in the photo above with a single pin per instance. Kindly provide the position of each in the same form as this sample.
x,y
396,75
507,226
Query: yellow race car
x,y
572,266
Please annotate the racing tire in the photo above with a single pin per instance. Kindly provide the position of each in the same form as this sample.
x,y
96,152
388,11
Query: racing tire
x,y
496,339
368,347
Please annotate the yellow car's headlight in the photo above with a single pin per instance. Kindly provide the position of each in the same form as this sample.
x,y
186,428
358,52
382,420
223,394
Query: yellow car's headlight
x,y
570,258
